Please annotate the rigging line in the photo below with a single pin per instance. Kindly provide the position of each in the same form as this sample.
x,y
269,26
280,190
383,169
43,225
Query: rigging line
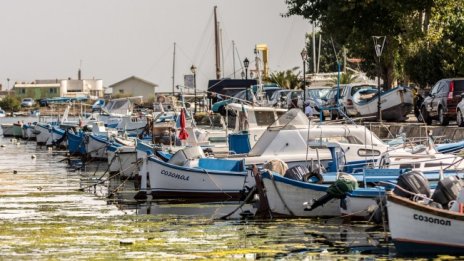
x,y
209,47
287,40
238,55
184,53
157,61
225,58
204,33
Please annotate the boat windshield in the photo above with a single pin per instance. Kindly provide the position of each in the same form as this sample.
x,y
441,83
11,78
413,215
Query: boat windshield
x,y
293,117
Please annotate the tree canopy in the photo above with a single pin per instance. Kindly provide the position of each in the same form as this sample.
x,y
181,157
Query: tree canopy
x,y
424,38
288,79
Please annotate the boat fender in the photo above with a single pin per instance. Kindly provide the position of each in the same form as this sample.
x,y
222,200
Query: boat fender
x,y
314,177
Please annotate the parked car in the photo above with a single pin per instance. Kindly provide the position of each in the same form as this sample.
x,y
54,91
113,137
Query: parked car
x,y
316,98
280,97
295,100
442,102
346,96
330,101
27,102
43,102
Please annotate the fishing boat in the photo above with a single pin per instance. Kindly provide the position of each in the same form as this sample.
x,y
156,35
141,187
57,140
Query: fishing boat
x,y
76,142
12,130
28,131
396,103
417,228
188,174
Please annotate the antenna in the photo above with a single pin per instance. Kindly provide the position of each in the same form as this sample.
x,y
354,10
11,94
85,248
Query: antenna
x,y
79,72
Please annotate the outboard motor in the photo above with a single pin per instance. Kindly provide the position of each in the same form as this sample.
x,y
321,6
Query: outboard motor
x,y
297,173
414,182
447,190
344,184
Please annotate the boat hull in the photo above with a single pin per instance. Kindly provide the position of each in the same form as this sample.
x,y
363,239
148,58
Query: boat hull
x,y
122,160
76,145
286,197
43,134
96,147
171,181
12,130
421,230
396,104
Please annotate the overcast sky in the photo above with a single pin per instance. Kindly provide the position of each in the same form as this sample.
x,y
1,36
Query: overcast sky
x,y
116,39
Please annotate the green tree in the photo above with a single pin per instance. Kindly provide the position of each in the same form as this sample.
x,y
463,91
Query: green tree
x,y
345,78
10,103
440,54
353,23
327,60
288,79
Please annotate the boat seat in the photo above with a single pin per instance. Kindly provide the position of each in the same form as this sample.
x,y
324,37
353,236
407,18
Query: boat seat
x,y
221,164
376,175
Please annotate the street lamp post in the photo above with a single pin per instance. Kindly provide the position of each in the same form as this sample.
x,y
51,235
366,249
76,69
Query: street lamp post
x,y
304,57
379,43
246,63
194,71
8,87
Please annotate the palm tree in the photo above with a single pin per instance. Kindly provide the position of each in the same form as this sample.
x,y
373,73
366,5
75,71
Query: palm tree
x,y
345,78
288,79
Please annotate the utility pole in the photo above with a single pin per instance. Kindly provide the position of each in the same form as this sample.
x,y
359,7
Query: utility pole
x,y
216,41
233,56
173,68
379,43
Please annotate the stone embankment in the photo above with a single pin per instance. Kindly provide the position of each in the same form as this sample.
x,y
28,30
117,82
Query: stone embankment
x,y
414,130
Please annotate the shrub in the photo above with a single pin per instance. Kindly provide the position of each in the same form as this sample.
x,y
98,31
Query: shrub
x,y
10,103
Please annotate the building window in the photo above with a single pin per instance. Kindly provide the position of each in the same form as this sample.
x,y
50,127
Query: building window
x,y
121,91
23,91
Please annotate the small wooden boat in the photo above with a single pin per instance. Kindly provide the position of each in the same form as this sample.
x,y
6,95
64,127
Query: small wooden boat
x,y
419,229
396,103
188,174
12,130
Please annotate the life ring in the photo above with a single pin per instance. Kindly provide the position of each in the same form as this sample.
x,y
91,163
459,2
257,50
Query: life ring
x,y
318,175
161,99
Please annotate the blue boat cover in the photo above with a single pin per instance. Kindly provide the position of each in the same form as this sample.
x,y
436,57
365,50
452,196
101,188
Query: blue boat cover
x,y
221,164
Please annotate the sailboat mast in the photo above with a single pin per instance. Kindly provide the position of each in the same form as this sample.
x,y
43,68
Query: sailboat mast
x,y
233,56
173,68
216,41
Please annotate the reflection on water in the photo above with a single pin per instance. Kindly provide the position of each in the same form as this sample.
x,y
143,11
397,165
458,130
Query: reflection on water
x,y
44,214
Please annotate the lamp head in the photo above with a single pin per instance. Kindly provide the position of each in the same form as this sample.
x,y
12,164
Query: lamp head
x,y
246,63
193,69
304,54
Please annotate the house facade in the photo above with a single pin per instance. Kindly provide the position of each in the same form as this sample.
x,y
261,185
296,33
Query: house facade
x,y
134,86
40,89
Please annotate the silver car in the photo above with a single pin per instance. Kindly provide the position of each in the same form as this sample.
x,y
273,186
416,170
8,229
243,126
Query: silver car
x,y
27,102
346,96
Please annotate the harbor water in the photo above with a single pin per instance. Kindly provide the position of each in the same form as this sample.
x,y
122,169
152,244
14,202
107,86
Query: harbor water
x,y
45,214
